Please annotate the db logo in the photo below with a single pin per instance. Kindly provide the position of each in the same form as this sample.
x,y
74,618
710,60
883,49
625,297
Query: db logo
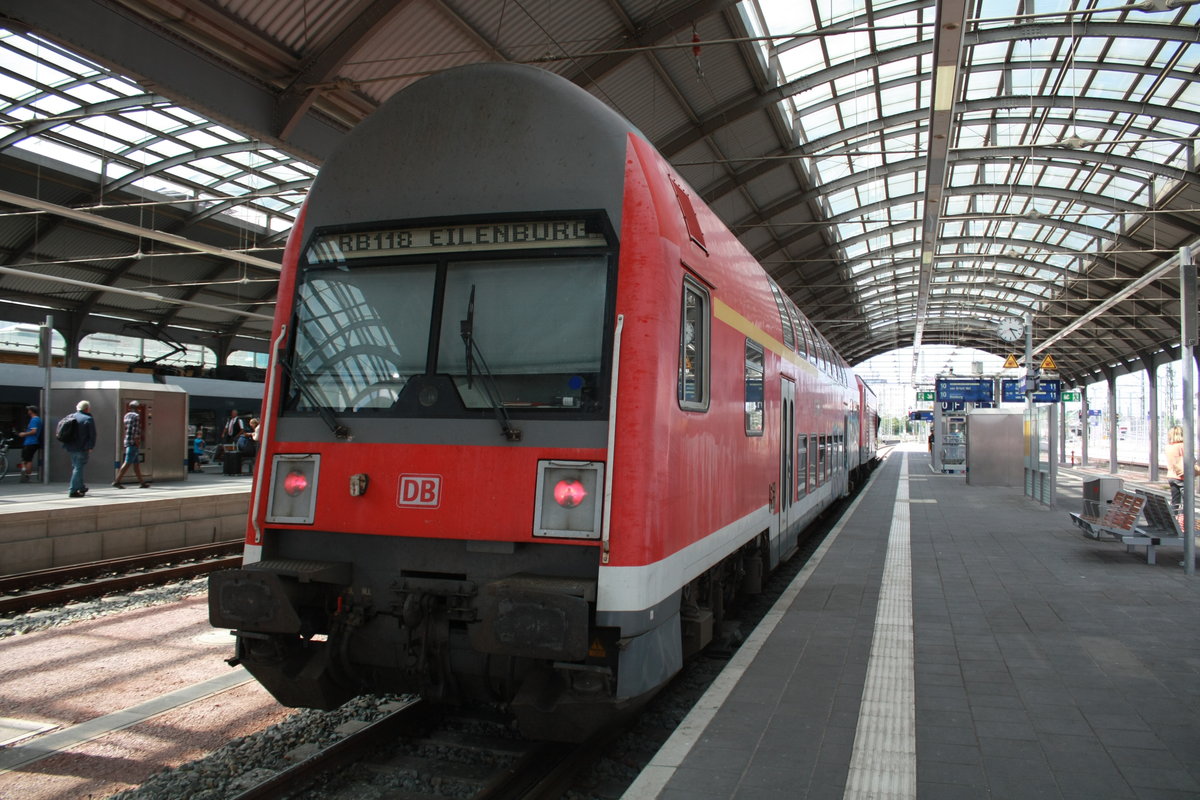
x,y
420,491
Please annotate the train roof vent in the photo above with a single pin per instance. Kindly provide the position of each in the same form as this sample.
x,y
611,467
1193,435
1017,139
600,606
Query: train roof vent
x,y
689,214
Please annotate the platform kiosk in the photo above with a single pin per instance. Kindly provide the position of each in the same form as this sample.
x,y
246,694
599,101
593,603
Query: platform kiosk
x,y
954,399
164,411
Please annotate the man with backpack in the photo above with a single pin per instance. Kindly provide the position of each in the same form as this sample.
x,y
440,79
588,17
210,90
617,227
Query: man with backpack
x,y
77,432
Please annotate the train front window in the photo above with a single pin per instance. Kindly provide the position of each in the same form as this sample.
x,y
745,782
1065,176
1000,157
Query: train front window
x,y
360,335
525,333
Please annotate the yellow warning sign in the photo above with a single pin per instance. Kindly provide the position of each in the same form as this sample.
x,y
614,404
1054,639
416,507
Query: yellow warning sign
x,y
597,649
1048,362
1011,362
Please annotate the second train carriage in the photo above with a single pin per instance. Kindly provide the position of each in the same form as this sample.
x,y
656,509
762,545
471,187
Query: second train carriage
x,y
534,414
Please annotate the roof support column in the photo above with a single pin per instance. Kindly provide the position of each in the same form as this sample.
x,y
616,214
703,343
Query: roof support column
x,y
1152,455
1084,427
1111,379
1189,337
71,328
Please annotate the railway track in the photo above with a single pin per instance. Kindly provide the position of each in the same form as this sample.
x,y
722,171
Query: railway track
x,y
424,754
51,587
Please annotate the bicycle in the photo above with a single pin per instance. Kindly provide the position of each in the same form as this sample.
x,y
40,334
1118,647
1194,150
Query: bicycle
x,y
5,444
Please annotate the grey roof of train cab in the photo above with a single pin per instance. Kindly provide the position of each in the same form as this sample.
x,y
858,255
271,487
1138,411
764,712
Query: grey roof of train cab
x,y
910,173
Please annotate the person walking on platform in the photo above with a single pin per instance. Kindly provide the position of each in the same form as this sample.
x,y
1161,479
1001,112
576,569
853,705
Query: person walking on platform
x,y
132,428
1174,455
31,443
79,445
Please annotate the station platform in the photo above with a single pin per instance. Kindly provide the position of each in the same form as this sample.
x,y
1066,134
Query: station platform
x,y
955,641
41,527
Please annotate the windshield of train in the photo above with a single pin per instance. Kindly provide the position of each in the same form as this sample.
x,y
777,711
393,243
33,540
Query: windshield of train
x,y
517,333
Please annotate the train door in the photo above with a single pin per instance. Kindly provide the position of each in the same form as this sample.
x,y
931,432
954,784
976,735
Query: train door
x,y
787,457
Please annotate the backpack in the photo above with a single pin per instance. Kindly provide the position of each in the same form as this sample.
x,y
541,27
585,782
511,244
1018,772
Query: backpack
x,y
67,430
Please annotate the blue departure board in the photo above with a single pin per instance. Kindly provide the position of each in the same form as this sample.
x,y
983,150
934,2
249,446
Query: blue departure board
x,y
1012,391
965,390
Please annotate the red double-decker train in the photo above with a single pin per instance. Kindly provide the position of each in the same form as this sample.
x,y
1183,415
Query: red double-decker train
x,y
534,415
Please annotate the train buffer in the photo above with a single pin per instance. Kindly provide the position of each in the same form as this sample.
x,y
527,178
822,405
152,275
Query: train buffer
x,y
1118,519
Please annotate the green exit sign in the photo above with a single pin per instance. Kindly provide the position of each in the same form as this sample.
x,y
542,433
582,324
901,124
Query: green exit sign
x,y
925,396
1070,397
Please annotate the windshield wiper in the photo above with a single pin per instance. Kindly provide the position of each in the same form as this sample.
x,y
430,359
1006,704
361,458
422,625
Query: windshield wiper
x,y
339,431
466,328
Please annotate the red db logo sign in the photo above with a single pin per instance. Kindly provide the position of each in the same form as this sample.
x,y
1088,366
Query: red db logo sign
x,y
420,491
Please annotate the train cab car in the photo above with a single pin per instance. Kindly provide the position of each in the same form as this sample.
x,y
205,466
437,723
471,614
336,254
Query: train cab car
x,y
533,416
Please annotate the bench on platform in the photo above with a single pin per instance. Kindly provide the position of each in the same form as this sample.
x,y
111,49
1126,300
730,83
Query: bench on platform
x,y
1118,519
1161,527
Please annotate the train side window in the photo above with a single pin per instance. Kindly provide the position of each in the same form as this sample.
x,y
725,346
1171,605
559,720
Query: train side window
x,y
822,459
794,313
801,465
754,389
693,348
813,481
785,321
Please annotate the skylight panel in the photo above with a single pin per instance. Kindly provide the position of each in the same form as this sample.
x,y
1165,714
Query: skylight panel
x,y
842,11
285,173
120,87
898,100
166,148
849,46
15,89
818,123
1188,94
89,93
802,60
45,147
201,139
46,52
226,134
95,139
217,166
1111,84
784,18
155,119
16,63
858,110
116,128
189,174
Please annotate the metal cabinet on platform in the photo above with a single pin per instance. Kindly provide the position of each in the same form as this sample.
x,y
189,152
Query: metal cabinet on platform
x,y
995,447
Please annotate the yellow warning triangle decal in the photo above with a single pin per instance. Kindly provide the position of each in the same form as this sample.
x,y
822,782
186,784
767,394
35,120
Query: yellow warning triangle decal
x,y
1048,362
597,649
1011,363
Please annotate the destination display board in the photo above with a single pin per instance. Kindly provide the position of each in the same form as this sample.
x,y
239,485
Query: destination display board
x,y
1012,390
334,248
966,390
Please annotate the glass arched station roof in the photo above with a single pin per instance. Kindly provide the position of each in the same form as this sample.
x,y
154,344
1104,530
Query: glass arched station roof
x,y
909,173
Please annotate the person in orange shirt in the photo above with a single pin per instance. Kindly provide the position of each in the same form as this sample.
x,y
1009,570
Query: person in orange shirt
x,y
1174,455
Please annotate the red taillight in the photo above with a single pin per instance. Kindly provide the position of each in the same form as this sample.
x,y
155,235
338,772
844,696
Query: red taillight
x,y
569,494
295,482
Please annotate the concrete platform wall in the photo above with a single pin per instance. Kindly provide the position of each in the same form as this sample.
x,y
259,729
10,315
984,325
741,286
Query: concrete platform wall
x,y
58,537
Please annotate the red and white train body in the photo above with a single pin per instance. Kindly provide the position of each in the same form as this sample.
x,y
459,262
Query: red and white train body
x,y
534,414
